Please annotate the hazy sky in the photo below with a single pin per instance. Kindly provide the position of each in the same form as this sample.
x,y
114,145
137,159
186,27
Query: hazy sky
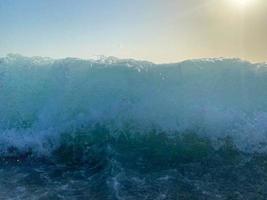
x,y
155,30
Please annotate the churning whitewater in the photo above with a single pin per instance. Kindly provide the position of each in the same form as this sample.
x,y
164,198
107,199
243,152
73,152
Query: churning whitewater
x,y
42,98
127,129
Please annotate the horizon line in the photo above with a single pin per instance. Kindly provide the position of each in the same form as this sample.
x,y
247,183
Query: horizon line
x,y
104,57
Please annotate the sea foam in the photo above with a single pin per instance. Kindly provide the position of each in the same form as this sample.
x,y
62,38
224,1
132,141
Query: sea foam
x,y
42,98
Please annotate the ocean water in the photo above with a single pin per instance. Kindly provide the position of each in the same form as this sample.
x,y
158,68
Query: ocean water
x,y
127,129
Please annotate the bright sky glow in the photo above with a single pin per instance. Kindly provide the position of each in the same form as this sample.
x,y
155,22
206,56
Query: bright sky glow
x,y
243,3
155,30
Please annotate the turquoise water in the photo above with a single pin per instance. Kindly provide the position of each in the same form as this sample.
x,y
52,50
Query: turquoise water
x,y
126,129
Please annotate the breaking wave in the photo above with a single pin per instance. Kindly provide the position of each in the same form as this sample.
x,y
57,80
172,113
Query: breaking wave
x,y
125,129
43,100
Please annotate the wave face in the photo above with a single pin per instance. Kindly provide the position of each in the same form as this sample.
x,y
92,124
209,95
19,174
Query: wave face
x,y
42,98
126,129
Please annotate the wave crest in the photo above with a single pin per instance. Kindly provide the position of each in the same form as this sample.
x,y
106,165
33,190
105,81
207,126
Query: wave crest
x,y
43,98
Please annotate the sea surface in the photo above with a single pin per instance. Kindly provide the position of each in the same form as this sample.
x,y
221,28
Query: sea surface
x,y
128,130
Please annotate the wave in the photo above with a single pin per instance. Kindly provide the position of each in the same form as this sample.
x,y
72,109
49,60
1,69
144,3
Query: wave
x,y
43,100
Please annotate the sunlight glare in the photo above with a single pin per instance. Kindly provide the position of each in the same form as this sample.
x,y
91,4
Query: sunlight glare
x,y
243,3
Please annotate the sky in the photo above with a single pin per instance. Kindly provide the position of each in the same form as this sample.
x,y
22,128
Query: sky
x,y
160,31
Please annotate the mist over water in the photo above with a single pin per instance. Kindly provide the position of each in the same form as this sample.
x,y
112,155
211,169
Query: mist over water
x,y
110,124
42,98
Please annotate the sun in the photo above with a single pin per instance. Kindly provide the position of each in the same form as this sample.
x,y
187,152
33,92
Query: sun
x,y
243,3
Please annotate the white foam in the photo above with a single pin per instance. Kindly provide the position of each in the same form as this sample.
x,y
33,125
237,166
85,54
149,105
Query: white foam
x,y
216,97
